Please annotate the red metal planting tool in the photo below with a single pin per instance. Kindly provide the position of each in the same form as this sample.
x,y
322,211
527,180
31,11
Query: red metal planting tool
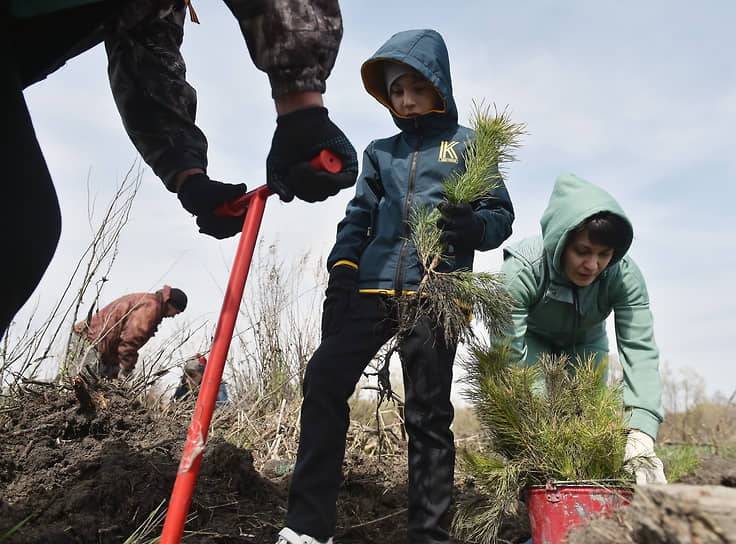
x,y
254,202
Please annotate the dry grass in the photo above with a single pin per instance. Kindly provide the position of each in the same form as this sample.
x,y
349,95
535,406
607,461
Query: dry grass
x,y
28,349
704,424
466,427
695,424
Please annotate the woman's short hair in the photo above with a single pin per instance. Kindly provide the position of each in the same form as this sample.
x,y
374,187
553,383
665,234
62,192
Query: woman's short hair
x,y
606,229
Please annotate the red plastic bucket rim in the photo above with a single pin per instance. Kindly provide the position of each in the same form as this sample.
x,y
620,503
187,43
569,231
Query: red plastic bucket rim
x,y
554,490
611,484
554,493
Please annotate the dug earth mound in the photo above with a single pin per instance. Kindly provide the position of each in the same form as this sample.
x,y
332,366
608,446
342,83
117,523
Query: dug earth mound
x,y
94,471
95,465
94,475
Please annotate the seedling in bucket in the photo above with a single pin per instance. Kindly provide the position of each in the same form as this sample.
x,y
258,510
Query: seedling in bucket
x,y
543,425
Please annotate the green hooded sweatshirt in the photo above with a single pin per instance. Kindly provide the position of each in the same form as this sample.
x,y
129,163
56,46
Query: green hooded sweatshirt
x,y
554,315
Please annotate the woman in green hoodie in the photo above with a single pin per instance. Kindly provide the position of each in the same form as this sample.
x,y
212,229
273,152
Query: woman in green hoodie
x,y
565,284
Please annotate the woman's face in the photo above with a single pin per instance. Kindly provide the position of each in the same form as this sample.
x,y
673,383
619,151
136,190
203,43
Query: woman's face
x,y
583,260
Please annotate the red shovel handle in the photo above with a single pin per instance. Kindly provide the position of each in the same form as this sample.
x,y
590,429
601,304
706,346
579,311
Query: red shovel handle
x,y
326,160
186,477
237,207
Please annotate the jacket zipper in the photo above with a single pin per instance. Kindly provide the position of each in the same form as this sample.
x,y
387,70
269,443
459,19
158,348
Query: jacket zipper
x,y
576,315
399,289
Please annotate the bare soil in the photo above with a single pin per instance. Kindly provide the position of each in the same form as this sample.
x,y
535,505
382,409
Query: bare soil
x,y
94,475
93,471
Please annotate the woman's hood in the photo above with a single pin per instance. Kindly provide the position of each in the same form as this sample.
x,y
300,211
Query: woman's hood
x,y
572,201
426,52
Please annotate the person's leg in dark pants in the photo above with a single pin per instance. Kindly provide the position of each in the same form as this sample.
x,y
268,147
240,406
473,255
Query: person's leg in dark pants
x,y
330,379
30,219
427,367
30,49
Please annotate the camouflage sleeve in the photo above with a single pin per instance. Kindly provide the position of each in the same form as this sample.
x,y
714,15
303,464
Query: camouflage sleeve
x,y
293,41
158,107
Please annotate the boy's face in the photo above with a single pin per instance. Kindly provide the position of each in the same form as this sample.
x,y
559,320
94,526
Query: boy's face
x,y
412,95
583,260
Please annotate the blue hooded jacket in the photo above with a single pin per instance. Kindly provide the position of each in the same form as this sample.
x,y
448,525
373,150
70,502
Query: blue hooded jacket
x,y
406,170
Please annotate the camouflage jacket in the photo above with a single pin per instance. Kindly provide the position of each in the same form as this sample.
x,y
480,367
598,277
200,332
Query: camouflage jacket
x,y
122,327
294,42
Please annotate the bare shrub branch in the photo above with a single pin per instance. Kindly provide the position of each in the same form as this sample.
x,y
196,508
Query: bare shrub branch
x,y
25,352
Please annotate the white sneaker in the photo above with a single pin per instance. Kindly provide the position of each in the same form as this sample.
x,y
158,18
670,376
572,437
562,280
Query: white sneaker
x,y
287,536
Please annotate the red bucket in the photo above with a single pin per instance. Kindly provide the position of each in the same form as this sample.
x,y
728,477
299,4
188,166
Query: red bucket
x,y
560,506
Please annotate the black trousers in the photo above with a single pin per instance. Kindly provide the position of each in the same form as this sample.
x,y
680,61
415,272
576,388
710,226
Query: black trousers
x,y
30,219
330,379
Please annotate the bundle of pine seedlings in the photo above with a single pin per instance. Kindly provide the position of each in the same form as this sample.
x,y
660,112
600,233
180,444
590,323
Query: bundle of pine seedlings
x,y
549,421
451,297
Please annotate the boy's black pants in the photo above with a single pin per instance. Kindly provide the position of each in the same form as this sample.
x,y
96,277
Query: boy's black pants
x,y
330,379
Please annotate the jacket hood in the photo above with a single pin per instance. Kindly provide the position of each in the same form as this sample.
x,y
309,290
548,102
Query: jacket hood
x,y
572,201
426,52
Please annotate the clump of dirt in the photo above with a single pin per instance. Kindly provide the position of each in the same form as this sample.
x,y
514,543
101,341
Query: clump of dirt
x,y
667,514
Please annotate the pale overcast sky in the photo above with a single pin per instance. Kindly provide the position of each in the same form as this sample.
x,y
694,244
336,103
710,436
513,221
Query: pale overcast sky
x,y
638,97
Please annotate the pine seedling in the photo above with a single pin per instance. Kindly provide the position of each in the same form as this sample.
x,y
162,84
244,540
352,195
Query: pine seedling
x,y
497,138
452,297
549,421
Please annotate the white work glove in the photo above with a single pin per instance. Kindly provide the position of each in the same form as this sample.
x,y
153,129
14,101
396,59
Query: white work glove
x,y
641,459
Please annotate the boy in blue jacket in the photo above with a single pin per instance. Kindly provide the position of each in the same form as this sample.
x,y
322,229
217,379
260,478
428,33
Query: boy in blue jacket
x,y
373,263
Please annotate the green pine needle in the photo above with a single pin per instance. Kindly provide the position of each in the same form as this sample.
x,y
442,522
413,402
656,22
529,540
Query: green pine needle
x,y
496,141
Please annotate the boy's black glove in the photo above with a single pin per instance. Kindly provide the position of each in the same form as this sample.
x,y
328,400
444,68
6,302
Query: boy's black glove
x,y
201,196
299,137
461,226
343,284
